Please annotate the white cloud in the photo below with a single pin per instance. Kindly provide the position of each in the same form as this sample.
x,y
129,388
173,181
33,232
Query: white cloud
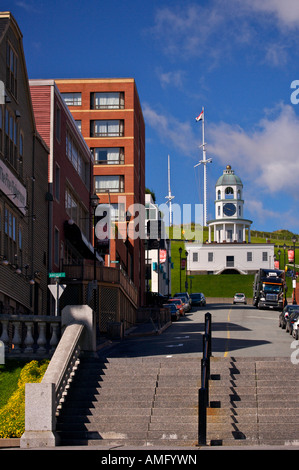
x,y
285,11
177,134
173,78
268,156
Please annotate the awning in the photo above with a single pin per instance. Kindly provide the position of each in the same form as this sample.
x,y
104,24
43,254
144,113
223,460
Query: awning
x,y
79,241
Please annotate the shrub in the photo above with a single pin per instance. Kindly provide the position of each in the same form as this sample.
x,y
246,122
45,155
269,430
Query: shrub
x,y
12,415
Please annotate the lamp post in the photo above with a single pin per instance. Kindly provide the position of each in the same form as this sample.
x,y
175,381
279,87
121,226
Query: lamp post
x,y
294,239
180,251
186,283
94,202
128,218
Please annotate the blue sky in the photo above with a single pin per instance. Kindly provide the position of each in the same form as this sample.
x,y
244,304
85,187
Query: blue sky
x,y
235,58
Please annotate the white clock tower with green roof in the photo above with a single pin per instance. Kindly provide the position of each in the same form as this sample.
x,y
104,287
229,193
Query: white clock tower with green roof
x,y
229,224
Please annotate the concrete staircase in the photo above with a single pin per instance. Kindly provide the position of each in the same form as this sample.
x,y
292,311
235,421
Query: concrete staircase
x,y
154,402
253,401
137,402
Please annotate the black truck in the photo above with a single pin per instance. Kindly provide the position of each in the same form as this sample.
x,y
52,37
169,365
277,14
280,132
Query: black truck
x,y
269,289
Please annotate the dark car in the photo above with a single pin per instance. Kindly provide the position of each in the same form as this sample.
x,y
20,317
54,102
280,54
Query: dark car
x,y
175,313
291,320
288,309
198,298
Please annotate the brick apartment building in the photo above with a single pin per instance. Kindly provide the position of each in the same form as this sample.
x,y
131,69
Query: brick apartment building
x,y
23,184
109,115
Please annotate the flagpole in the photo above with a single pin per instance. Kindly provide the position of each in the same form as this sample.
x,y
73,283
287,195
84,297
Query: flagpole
x,y
169,197
204,161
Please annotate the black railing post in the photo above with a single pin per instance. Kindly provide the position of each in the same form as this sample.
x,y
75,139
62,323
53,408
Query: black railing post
x,y
203,393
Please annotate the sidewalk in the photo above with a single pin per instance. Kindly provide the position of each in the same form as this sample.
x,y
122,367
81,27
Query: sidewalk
x,y
148,328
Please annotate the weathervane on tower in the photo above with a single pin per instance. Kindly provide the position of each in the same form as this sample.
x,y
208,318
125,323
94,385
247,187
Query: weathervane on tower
x,y
204,161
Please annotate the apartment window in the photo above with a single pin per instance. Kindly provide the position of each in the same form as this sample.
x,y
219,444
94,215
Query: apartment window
x,y
57,182
58,123
10,238
109,128
118,212
249,255
72,99
108,155
111,183
11,132
11,70
76,158
79,124
210,257
265,256
108,100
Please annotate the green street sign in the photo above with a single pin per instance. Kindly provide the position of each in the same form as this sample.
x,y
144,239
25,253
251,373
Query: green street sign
x,y
56,274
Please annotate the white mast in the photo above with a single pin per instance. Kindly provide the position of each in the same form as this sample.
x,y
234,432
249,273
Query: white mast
x,y
204,161
169,197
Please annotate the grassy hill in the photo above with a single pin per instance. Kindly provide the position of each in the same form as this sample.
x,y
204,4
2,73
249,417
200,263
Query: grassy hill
x,y
227,285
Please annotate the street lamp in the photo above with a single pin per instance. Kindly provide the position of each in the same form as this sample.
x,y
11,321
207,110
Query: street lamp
x,y
186,283
294,239
128,218
180,251
94,202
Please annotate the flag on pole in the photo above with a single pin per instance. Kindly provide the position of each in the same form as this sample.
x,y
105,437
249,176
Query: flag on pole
x,y
200,116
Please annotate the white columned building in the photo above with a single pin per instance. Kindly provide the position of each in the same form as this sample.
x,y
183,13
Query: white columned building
x,y
228,249
229,224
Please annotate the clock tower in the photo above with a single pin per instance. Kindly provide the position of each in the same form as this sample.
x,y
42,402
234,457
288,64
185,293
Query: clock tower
x,y
229,224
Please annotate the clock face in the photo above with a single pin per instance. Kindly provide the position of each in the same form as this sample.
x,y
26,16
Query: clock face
x,y
229,209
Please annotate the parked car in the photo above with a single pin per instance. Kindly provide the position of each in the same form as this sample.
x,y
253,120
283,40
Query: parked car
x,y
175,313
179,304
288,309
291,320
184,295
295,326
198,298
239,298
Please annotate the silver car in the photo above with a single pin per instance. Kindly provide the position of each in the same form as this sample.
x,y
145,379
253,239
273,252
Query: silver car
x,y
239,298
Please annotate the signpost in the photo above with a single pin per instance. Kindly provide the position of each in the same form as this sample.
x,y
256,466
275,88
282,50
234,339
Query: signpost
x,y
56,290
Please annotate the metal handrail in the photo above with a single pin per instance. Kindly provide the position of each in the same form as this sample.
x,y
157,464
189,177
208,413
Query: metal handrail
x,y
203,392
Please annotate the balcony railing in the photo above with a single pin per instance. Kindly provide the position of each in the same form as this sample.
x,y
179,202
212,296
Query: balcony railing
x,y
104,274
27,335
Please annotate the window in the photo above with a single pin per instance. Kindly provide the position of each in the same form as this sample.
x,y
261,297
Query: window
x,y
72,99
11,70
57,182
75,156
230,261
79,124
118,211
108,100
108,156
58,123
229,193
195,257
11,133
10,233
265,256
249,255
107,128
77,212
111,183
210,257
219,194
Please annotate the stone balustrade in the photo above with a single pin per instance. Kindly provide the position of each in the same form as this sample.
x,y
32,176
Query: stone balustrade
x,y
29,335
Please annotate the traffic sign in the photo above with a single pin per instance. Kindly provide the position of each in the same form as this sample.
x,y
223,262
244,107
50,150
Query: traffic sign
x,y
56,274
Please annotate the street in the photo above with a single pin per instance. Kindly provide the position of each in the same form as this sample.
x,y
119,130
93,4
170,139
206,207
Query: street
x,y
237,330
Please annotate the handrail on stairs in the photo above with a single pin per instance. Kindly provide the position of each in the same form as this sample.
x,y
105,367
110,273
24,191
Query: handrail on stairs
x,y
203,392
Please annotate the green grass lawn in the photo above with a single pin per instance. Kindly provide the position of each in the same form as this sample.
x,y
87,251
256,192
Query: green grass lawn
x,y
225,285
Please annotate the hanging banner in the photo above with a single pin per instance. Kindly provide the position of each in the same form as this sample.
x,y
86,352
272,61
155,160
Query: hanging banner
x,y
276,264
163,255
291,256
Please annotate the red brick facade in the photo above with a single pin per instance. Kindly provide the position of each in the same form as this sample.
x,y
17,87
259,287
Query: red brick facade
x,y
125,133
